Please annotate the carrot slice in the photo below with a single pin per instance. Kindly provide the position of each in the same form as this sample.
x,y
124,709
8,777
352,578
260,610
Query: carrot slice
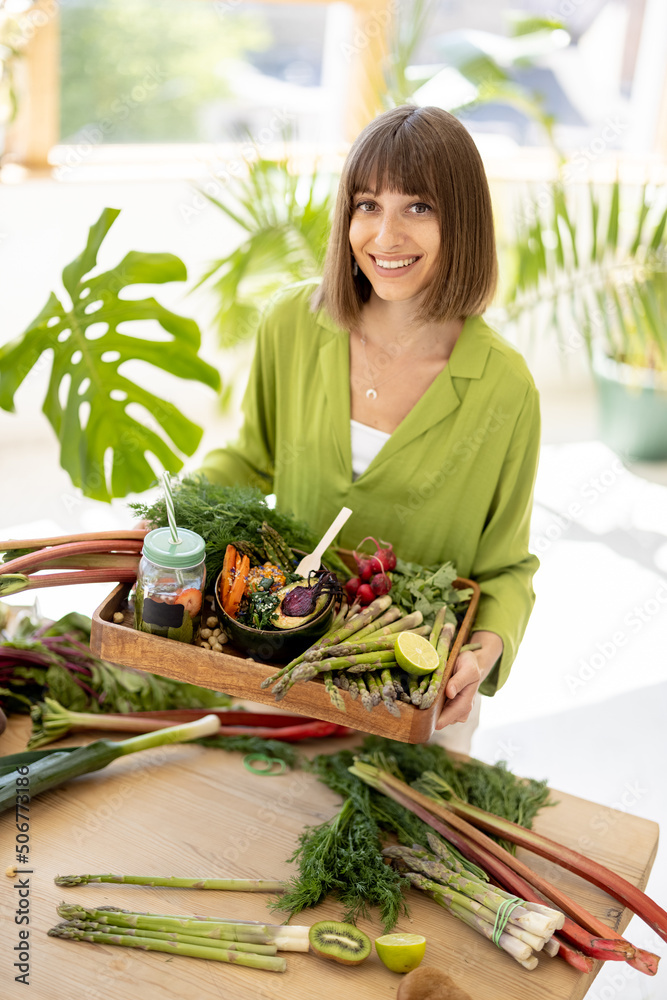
x,y
228,567
238,588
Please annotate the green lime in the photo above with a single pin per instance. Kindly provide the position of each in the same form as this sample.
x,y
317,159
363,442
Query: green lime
x,y
401,952
415,653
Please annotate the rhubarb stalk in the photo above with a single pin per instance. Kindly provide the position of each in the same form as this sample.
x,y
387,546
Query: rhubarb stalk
x,y
136,534
40,557
14,583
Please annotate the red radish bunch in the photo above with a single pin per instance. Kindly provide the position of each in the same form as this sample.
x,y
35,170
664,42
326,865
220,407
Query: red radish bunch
x,y
372,580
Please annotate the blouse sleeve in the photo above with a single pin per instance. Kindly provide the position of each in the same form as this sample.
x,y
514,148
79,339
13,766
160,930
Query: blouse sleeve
x,y
250,460
504,567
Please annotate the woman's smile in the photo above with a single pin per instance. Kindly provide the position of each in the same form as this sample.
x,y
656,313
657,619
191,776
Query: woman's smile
x,y
393,265
395,240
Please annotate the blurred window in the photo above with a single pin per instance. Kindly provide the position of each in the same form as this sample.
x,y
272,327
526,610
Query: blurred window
x,y
587,76
136,71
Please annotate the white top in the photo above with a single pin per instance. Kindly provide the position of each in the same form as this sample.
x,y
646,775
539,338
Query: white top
x,y
366,443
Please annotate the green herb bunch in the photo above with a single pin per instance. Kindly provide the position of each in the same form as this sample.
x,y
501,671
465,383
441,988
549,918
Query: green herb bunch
x,y
231,515
426,589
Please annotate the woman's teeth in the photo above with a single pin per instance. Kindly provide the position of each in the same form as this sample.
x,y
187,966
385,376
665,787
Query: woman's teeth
x,y
391,264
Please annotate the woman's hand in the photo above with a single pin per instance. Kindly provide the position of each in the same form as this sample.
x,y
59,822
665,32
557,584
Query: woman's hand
x,y
469,671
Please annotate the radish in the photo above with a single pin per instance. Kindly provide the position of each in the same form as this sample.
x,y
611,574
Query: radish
x,y
386,556
380,584
365,568
351,588
382,559
365,594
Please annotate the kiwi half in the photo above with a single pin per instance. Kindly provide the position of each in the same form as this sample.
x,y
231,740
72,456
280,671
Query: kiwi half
x,y
340,942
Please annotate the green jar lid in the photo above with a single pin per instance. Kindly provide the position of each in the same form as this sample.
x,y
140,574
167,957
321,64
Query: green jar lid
x,y
161,550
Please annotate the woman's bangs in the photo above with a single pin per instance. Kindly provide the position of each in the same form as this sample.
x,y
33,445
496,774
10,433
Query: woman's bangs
x,y
392,163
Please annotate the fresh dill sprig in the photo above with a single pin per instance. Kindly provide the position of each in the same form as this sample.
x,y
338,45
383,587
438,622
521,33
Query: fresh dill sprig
x,y
342,859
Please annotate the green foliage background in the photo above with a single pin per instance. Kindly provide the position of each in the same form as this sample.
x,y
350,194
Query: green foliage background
x,y
150,68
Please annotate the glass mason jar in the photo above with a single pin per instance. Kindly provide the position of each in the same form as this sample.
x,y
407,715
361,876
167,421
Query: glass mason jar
x,y
170,584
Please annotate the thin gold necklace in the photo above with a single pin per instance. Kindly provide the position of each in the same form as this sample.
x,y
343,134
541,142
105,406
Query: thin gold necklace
x,y
372,392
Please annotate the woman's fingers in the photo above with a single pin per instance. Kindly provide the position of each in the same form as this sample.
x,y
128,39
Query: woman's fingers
x,y
461,690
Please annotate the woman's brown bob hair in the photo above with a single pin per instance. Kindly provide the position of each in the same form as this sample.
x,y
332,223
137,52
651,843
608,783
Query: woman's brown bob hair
x,y
428,153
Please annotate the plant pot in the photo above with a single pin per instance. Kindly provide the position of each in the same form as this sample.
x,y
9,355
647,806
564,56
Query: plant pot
x,y
632,409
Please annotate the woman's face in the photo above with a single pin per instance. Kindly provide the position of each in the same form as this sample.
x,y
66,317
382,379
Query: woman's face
x,y
395,239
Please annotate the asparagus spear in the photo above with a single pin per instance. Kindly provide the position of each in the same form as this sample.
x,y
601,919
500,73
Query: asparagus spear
x,y
422,689
415,692
269,963
388,689
374,688
442,850
388,693
334,694
441,674
391,615
247,946
437,626
353,688
381,662
237,885
364,693
405,624
350,648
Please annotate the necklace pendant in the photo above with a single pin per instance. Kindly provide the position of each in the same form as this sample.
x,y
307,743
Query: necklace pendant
x,y
371,394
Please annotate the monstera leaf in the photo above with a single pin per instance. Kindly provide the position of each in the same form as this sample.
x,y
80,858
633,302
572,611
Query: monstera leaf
x,y
103,446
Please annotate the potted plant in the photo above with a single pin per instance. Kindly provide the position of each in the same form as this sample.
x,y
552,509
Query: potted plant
x,y
591,265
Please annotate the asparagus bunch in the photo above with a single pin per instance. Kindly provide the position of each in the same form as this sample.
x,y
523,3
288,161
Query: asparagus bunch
x,y
516,927
252,947
359,643
246,943
181,945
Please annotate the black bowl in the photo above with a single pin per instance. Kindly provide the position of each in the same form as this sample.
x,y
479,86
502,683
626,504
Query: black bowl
x,y
274,645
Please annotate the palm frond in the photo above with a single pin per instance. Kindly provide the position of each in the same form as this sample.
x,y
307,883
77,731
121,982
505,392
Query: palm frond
x,y
284,221
608,279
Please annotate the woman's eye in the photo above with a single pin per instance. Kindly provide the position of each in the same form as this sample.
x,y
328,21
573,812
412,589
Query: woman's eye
x,y
365,206
421,208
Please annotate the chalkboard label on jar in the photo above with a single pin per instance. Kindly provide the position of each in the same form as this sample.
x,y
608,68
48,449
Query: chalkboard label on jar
x,y
162,614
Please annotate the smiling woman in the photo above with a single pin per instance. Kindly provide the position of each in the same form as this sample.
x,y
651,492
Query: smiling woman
x,y
382,389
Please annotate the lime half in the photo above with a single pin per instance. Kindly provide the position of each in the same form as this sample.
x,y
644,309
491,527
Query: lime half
x,y
415,653
401,952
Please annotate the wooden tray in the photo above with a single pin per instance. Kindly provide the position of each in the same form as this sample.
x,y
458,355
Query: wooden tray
x,y
240,676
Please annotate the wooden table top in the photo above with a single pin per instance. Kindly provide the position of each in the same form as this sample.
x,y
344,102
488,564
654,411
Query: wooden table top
x,y
193,811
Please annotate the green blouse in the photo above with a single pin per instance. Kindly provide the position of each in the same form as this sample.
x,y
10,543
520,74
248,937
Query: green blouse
x,y
453,482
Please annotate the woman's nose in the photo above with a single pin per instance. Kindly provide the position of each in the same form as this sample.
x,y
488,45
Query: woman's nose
x,y
390,232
